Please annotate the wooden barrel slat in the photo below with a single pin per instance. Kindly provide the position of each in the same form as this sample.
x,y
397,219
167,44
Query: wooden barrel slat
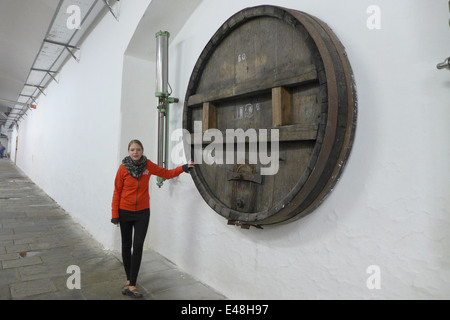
x,y
253,87
270,68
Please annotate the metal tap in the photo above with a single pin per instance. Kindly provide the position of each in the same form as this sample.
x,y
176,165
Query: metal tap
x,y
444,65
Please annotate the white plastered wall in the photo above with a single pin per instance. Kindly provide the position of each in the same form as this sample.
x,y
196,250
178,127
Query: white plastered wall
x,y
389,209
69,145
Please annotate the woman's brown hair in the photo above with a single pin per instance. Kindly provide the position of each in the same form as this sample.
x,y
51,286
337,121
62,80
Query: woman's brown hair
x,y
137,142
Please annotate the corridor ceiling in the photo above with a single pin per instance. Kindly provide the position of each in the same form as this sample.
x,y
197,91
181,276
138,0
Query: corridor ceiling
x,y
36,38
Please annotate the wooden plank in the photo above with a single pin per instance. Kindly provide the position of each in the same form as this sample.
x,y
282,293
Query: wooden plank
x,y
303,132
281,106
306,75
296,132
209,116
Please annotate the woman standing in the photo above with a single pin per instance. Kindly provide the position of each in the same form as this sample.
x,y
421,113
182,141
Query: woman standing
x,y
131,207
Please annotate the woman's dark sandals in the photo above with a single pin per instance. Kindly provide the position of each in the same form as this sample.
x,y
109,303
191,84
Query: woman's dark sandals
x,y
124,290
133,293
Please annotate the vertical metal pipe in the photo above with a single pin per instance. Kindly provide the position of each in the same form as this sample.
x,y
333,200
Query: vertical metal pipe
x,y
161,138
162,84
162,62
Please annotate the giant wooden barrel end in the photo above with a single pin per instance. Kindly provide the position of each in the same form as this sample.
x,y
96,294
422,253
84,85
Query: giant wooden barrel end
x,y
280,78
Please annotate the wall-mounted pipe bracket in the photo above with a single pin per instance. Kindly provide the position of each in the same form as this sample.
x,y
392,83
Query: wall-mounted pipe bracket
x,y
30,97
49,72
106,2
40,88
68,47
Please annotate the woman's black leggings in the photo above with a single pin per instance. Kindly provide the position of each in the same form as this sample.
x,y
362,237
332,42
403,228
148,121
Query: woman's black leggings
x,y
138,222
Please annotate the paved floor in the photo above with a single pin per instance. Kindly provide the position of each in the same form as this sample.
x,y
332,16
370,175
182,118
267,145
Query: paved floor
x,y
39,241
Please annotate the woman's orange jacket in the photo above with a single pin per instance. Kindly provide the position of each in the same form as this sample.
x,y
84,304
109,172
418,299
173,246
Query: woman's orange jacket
x,y
132,193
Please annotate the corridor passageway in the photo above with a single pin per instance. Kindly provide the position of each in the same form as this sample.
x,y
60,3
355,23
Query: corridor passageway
x,y
39,241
